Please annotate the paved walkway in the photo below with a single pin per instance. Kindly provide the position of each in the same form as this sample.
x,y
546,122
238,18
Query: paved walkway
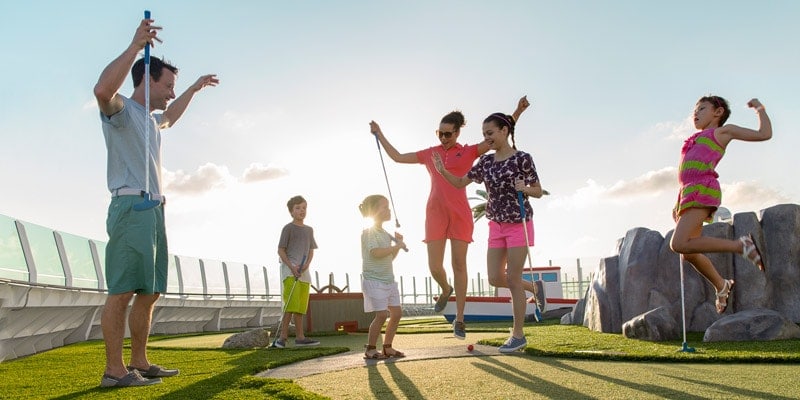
x,y
355,359
424,346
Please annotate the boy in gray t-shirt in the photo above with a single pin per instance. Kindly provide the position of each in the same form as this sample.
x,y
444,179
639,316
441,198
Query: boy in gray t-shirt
x,y
295,249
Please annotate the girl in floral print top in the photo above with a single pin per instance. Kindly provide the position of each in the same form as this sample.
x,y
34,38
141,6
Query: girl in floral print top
x,y
504,172
700,193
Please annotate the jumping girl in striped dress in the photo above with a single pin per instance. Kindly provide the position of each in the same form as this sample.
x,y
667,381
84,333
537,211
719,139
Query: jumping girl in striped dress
x,y
700,193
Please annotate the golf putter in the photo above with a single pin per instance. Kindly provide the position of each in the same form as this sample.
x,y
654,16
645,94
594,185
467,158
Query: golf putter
x,y
685,348
286,302
147,203
386,176
537,313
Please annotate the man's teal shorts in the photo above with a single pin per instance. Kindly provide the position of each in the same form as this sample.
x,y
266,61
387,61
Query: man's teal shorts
x,y
136,253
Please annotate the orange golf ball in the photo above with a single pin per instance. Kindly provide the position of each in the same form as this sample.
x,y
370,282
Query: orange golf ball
x,y
470,347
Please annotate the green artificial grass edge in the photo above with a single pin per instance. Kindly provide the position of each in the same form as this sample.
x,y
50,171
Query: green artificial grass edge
x,y
74,371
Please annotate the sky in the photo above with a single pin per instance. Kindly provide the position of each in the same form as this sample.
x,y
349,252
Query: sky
x,y
612,85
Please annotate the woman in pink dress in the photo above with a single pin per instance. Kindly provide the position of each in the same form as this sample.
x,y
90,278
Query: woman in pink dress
x,y
448,214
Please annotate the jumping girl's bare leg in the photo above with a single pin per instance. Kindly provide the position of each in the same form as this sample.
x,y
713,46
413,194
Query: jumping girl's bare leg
x,y
703,265
516,262
688,239
436,263
498,277
496,267
458,250
501,281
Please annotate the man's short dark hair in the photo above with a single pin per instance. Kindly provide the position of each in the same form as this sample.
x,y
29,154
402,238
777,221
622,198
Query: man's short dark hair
x,y
157,66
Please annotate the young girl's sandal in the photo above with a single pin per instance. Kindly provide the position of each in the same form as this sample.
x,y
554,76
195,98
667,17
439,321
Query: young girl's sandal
x,y
394,353
372,353
722,295
751,252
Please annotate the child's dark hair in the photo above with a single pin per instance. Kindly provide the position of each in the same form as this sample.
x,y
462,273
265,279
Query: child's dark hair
x,y
157,66
370,203
717,102
501,120
456,118
295,201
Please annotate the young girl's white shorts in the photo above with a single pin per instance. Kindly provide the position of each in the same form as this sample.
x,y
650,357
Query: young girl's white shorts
x,y
379,296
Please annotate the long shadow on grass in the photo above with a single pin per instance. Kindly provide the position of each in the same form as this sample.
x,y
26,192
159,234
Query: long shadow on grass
x,y
405,384
218,382
656,390
378,386
734,391
524,379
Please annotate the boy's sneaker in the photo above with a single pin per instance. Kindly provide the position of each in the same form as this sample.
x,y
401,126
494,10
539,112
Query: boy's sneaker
x,y
459,330
442,301
306,342
513,344
279,343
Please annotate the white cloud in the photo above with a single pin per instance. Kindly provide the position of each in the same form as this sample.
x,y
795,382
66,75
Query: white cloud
x,y
673,130
583,197
750,196
90,105
651,183
206,178
257,172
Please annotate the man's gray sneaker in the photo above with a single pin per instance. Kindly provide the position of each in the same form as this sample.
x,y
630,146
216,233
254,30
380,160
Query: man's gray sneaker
x,y
279,343
133,378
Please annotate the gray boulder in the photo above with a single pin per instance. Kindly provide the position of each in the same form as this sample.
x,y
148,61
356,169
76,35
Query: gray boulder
x,y
780,245
645,276
602,299
757,324
247,340
654,325
638,254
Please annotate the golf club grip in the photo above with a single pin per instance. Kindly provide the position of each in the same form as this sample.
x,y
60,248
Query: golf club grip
x,y
521,204
300,270
147,46
395,240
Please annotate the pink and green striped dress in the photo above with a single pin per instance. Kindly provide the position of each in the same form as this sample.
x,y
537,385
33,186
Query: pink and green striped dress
x,y
699,185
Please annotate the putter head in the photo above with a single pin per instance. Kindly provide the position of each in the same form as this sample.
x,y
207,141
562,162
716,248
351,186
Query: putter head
x,y
146,204
686,348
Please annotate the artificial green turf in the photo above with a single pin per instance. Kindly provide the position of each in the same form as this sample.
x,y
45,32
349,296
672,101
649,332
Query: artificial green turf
x,y
554,340
74,371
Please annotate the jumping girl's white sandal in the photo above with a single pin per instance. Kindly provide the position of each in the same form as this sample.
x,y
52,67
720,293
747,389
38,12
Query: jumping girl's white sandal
x,y
750,251
722,296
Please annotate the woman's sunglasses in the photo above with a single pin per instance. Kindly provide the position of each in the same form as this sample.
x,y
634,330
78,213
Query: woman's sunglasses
x,y
445,135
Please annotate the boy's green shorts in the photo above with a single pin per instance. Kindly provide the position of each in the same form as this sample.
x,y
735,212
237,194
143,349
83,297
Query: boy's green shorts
x,y
298,303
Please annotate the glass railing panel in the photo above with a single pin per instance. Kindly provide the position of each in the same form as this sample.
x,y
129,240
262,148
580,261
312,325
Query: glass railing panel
x,y
45,255
173,283
258,284
190,273
12,259
101,256
81,263
237,281
215,277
